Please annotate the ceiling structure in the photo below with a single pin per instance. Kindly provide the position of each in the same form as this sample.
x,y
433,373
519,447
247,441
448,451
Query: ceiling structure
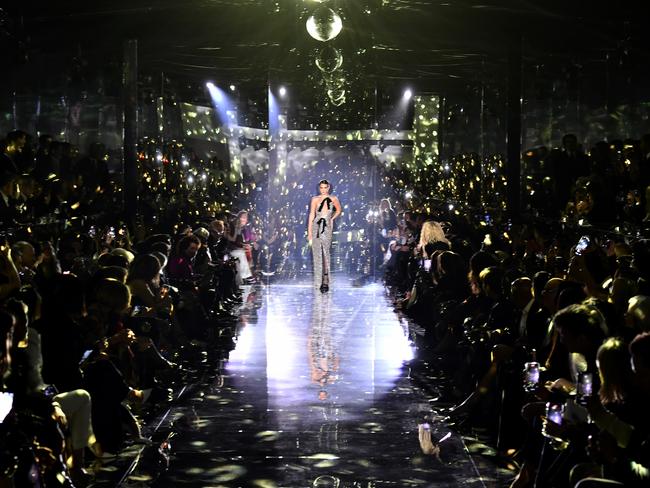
x,y
427,41
433,46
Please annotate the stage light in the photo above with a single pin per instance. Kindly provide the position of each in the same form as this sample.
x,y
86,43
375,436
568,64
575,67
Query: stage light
x,y
408,94
209,85
282,91
232,88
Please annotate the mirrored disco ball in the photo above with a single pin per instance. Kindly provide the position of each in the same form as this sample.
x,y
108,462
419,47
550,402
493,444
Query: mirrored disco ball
x,y
337,97
329,59
324,24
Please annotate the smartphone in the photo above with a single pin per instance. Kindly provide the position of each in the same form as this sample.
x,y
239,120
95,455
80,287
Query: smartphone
x,y
582,245
6,404
111,233
585,387
531,376
427,265
92,232
85,355
50,390
555,412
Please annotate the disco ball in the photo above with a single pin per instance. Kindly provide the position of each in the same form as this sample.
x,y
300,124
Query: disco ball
x,y
329,59
337,97
324,24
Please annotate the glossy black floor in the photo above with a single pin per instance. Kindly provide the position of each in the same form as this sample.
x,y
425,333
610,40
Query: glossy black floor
x,y
317,392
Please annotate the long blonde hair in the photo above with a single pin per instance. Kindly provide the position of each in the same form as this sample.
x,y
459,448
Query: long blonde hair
x,y
432,232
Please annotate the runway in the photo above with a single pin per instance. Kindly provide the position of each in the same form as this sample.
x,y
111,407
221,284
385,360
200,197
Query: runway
x,y
317,392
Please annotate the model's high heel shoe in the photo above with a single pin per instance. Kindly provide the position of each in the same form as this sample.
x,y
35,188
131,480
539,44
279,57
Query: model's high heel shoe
x,y
325,286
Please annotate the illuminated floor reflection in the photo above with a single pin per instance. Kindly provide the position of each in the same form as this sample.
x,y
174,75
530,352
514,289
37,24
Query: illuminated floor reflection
x,y
314,394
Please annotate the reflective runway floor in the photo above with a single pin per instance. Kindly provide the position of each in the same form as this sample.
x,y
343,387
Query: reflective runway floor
x,y
316,392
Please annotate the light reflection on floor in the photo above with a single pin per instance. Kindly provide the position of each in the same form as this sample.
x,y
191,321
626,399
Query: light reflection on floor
x,y
316,390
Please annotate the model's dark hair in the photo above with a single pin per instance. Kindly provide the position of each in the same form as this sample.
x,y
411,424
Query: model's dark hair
x,y
324,182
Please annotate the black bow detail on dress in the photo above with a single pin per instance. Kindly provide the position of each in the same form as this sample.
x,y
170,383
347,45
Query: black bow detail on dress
x,y
326,199
321,223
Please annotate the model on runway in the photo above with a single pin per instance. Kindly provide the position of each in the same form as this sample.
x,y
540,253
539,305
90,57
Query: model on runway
x,y
324,209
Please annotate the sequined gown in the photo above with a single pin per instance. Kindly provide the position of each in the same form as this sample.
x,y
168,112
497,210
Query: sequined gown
x,y
322,241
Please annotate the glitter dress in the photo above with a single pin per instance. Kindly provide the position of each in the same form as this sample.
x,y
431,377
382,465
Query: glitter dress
x,y
322,241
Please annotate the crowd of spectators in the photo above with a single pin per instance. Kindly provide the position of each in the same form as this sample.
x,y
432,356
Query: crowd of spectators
x,y
542,323
96,316
541,327
601,186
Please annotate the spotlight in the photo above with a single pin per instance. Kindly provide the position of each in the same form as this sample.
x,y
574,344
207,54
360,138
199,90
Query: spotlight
x,y
408,94
282,91
232,88
210,85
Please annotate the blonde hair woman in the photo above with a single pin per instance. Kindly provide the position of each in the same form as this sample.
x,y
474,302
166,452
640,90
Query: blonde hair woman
x,y
432,233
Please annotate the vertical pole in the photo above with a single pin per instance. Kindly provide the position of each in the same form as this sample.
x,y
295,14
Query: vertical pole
x,y
130,101
513,128
482,122
442,128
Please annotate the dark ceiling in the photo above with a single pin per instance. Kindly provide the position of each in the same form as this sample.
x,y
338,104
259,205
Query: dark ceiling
x,y
435,45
